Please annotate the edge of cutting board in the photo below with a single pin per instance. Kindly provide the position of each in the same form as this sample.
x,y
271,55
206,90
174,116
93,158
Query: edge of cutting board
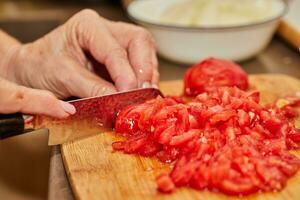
x,y
289,33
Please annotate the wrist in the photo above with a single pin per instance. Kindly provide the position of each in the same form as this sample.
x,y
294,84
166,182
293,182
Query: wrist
x,y
6,62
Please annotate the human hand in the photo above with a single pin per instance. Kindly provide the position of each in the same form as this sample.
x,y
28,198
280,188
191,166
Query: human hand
x,y
33,101
58,62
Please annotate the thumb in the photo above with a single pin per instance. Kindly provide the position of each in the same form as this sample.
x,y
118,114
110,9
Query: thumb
x,y
14,98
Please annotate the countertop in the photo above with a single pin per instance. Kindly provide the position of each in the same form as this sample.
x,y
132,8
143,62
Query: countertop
x,y
278,57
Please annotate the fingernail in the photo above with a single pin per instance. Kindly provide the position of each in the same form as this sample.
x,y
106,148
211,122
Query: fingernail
x,y
146,85
155,86
69,108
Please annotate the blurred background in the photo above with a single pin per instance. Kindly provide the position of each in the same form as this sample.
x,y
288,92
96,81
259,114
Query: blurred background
x,y
25,160
16,16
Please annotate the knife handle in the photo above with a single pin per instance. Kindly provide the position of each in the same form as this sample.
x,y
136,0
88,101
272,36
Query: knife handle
x,y
11,125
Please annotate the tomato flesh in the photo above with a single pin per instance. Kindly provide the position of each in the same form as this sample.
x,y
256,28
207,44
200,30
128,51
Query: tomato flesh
x,y
213,73
222,140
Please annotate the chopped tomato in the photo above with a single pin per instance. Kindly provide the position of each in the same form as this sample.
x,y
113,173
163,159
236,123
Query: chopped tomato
x,y
165,183
223,140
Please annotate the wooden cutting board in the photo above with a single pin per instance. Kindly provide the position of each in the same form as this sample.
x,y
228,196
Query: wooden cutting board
x,y
95,171
289,27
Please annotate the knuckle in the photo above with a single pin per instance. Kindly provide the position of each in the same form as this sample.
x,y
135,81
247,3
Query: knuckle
x,y
147,73
139,29
19,97
49,95
144,35
49,99
122,25
83,19
96,90
67,69
149,65
88,13
131,82
19,94
118,53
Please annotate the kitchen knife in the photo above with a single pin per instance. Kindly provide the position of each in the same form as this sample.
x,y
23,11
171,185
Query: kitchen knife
x,y
93,116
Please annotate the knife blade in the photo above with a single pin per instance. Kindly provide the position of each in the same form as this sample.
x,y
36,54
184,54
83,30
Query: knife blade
x,y
93,116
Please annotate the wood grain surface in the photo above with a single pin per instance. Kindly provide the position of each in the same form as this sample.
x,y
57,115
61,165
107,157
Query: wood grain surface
x,y
95,171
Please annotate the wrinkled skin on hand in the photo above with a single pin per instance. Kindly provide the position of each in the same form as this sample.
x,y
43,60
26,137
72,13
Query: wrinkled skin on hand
x,y
58,63
26,100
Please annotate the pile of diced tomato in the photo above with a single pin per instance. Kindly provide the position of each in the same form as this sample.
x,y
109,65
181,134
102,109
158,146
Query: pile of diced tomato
x,y
223,140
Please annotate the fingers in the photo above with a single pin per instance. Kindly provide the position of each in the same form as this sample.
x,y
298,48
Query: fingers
x,y
155,79
140,56
155,73
14,98
96,38
83,83
141,50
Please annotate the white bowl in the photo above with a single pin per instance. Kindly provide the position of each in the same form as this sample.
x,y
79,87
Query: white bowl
x,y
191,44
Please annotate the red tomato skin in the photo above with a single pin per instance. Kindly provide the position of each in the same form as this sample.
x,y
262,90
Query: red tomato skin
x,y
165,183
212,73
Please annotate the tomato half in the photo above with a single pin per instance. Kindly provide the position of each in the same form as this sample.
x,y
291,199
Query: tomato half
x,y
213,73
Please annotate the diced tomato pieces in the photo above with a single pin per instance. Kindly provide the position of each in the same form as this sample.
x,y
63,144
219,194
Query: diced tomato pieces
x,y
184,137
294,101
118,145
165,183
223,140
294,135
